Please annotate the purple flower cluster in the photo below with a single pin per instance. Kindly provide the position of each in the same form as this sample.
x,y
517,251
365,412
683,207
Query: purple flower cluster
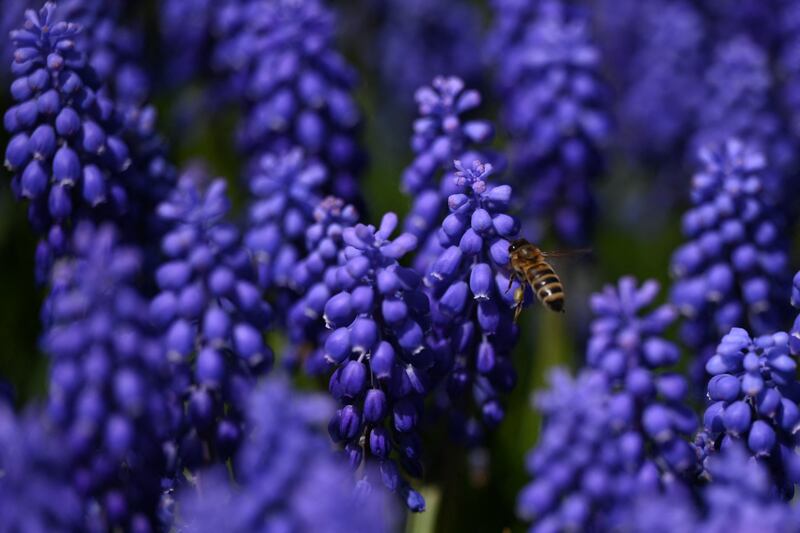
x,y
285,191
733,271
314,277
12,15
296,87
114,50
627,345
287,478
72,150
185,29
754,390
555,109
441,135
740,497
788,65
660,100
737,103
157,322
35,489
65,153
469,291
379,317
213,317
420,39
109,393
576,486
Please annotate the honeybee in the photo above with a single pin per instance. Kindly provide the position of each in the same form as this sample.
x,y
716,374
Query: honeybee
x,y
530,267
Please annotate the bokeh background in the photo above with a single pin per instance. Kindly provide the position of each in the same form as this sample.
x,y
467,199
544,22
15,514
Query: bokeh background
x,y
637,228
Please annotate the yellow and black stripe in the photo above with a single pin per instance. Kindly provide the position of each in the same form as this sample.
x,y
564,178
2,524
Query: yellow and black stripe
x,y
547,286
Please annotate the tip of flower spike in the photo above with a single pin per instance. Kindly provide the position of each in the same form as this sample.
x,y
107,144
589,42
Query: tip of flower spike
x,y
473,177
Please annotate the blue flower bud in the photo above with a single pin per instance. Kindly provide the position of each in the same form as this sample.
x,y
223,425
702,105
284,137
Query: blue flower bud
x,y
761,439
724,387
59,203
338,310
353,382
736,418
404,415
379,442
34,181
338,345
382,360
349,422
375,406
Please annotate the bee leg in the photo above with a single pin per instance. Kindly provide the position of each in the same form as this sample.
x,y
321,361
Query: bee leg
x,y
519,299
511,279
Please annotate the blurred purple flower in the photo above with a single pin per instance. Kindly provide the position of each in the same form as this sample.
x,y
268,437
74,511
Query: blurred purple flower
x,y
758,19
285,191
313,277
733,271
281,63
739,498
556,112
420,39
788,66
738,103
109,376
287,478
627,344
185,27
577,487
212,315
660,97
36,490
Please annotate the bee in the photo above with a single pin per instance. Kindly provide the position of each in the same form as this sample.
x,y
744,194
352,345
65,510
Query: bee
x,y
529,266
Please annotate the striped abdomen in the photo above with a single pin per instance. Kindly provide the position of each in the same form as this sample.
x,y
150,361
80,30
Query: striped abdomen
x,y
546,285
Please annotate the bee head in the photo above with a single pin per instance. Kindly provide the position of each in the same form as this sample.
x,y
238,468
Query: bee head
x,y
516,245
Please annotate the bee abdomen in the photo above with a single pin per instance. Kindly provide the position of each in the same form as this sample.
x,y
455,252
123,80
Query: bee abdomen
x,y
547,286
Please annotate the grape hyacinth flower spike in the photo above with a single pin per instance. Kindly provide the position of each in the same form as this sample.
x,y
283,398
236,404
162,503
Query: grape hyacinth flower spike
x,y
754,393
663,72
114,47
469,285
66,153
443,133
379,319
738,103
314,278
420,39
109,380
212,315
733,270
287,477
285,190
555,107
738,496
280,61
575,487
36,489
628,345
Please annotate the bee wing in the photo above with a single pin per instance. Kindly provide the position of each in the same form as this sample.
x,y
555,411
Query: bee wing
x,y
567,253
